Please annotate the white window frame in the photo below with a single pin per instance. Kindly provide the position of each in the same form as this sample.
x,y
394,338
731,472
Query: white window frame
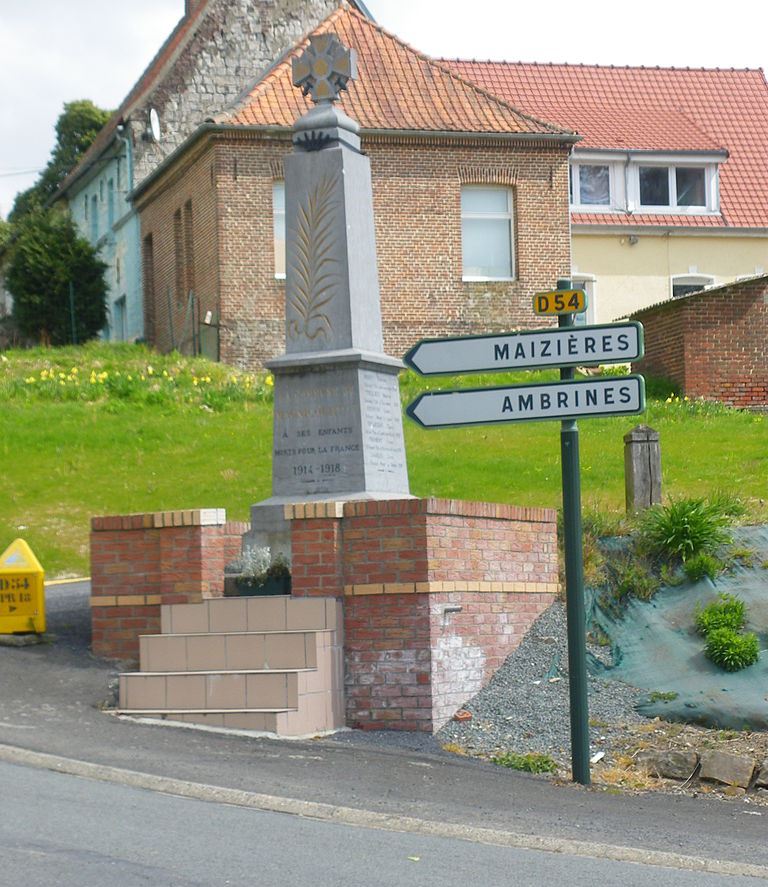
x,y
277,215
578,281
706,280
509,216
575,184
711,206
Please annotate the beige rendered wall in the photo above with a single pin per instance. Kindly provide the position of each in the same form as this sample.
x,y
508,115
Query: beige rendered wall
x,y
633,276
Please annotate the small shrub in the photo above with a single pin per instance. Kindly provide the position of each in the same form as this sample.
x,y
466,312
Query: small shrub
x,y
257,565
703,564
662,696
634,579
530,763
730,650
684,528
671,576
727,611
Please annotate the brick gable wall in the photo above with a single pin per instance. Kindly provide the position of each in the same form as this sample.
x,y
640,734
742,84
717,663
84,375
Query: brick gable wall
x,y
416,192
714,345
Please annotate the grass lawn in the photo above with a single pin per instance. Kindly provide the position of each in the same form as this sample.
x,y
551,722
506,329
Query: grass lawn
x,y
114,430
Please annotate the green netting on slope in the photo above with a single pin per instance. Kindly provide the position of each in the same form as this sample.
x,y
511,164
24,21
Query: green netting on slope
x,y
656,647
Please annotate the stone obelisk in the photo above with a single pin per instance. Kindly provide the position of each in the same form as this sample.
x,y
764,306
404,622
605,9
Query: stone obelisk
x,y
338,430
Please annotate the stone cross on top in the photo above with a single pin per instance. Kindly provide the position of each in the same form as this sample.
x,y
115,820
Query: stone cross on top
x,y
325,67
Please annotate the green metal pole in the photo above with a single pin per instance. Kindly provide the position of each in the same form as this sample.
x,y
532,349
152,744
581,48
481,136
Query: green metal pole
x,y
72,311
574,583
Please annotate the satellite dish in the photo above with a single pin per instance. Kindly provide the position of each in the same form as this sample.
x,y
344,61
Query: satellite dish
x,y
154,125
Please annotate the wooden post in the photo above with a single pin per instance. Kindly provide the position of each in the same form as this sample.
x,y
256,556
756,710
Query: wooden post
x,y
642,468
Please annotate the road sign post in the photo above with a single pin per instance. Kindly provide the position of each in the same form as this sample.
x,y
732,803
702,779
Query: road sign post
x,y
574,582
565,347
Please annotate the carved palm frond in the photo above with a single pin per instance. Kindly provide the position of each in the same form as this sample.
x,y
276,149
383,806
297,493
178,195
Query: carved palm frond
x,y
314,262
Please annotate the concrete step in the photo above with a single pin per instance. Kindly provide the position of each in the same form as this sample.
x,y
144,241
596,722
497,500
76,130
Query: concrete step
x,y
231,651
226,615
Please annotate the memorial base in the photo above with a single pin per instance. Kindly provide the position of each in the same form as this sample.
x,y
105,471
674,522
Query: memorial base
x,y
436,594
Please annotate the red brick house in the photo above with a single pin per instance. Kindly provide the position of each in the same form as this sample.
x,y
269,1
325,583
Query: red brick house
x,y
470,201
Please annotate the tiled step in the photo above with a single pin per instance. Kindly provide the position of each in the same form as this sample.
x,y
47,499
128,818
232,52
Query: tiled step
x,y
226,615
272,664
319,713
230,691
233,651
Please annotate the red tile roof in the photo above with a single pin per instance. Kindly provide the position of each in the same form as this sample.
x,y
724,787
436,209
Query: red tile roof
x,y
397,88
652,109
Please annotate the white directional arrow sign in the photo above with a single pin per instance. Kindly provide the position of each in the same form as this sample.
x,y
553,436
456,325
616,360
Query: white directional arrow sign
x,y
613,396
557,347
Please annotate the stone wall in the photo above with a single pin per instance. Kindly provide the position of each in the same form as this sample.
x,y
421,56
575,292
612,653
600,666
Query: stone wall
x,y
228,46
141,561
437,593
713,344
417,211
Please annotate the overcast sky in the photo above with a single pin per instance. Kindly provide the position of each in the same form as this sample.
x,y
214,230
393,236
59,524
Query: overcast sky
x,y
54,51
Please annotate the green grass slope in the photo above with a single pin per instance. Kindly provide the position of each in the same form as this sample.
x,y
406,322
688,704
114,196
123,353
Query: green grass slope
x,y
106,429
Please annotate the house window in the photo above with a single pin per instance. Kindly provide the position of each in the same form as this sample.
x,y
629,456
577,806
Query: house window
x,y
148,269
111,202
85,207
486,233
178,256
119,328
586,282
676,187
94,219
690,283
189,248
278,227
590,184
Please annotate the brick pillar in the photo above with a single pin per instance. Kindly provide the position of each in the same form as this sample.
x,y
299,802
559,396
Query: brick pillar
x,y
141,561
316,549
436,594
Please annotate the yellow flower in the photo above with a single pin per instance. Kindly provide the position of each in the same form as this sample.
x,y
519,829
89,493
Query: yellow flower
x,y
30,380
150,370
74,371
195,382
269,381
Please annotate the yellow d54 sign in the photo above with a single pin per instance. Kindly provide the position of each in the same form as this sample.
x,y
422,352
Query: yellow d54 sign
x,y
22,593
560,302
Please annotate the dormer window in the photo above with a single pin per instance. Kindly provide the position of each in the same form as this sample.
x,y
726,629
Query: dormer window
x,y
644,182
677,187
591,184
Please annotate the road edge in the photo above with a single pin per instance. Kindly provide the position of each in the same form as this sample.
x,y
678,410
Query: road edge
x,y
370,819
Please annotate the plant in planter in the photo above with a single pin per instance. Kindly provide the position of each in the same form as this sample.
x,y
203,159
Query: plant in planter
x,y
257,572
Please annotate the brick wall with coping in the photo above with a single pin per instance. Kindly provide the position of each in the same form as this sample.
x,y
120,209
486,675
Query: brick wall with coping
x,y
436,594
141,561
417,211
713,344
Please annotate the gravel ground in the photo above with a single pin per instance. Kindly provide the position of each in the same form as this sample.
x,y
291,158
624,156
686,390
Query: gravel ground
x,y
525,707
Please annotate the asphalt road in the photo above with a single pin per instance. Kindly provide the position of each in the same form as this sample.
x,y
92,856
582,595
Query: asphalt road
x,y
72,832
51,698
